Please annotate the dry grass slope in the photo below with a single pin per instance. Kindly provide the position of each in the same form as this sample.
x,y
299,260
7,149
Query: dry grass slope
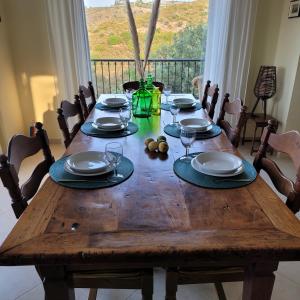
x,y
109,34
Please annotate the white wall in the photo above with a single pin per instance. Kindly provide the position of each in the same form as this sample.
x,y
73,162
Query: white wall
x,y
11,120
277,42
33,69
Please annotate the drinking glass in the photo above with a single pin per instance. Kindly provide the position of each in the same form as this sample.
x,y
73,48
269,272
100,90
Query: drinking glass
x,y
125,116
174,111
128,94
113,154
187,137
167,91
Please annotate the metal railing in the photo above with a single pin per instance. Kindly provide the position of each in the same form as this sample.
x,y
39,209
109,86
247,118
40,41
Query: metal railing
x,y
110,74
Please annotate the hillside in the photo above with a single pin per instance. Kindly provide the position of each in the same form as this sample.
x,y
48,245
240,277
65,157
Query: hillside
x,y
109,34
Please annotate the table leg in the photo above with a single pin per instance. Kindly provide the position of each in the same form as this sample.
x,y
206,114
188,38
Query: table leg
x,y
55,283
259,281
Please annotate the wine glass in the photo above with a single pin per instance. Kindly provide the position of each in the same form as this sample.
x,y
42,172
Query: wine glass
x,y
125,116
187,137
113,154
129,93
174,111
167,91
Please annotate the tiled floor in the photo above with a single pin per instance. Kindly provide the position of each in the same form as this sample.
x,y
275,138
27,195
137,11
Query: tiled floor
x,y
23,283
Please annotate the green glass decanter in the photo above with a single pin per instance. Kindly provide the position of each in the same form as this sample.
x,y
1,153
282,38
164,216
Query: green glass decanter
x,y
142,102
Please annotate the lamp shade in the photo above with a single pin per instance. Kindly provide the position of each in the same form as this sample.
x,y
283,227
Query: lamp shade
x,y
265,86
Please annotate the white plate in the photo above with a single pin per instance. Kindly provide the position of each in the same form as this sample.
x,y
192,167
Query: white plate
x,y
108,123
87,162
69,170
200,125
184,102
108,129
114,102
196,166
219,162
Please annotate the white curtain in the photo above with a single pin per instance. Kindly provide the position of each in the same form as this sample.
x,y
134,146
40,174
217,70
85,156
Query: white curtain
x,y
231,26
68,40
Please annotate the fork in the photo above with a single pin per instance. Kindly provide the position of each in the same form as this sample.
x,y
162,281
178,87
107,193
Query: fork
x,y
237,180
86,180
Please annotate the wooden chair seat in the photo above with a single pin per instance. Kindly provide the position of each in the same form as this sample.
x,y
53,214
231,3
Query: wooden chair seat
x,y
183,276
19,148
211,92
87,98
134,85
66,111
234,108
109,279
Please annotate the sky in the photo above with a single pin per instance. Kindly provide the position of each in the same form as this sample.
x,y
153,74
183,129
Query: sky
x,y
105,3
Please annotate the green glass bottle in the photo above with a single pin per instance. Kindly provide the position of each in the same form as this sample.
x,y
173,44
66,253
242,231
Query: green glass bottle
x,y
149,83
142,102
156,100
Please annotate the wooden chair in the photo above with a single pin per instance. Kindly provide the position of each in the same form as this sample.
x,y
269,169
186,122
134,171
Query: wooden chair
x,y
134,85
288,143
66,111
213,93
234,108
196,84
19,148
84,94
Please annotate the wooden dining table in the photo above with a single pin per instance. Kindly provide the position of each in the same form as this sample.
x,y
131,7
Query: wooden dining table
x,y
154,219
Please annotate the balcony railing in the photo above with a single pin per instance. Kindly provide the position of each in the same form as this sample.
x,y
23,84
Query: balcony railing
x,y
110,74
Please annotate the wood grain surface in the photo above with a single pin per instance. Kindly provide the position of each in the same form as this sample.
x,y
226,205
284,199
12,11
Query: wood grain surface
x,y
154,218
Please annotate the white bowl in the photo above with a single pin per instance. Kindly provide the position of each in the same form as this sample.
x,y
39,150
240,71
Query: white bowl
x,y
219,162
108,123
195,166
200,125
87,162
114,102
184,102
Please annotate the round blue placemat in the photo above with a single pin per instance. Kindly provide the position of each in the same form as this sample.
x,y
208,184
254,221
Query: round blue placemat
x,y
165,106
101,106
58,173
185,171
88,129
174,131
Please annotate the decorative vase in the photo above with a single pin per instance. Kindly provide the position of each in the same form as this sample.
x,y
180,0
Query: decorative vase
x,y
142,102
156,101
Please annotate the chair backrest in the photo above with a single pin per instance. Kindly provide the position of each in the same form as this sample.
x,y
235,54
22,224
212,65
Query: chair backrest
x,y
67,110
19,148
134,85
235,108
288,143
196,84
84,94
213,93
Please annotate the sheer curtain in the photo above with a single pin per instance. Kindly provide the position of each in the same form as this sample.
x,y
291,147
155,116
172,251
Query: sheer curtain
x,y
68,40
229,44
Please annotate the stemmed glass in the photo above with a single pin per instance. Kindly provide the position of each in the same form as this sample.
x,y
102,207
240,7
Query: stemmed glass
x,y
113,154
167,92
187,137
129,93
125,116
174,111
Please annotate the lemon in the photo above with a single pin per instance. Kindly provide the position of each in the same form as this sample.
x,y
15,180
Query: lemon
x,y
163,147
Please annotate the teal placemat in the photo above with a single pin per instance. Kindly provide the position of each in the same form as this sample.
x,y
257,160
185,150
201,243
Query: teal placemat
x,y
174,131
88,129
185,171
58,173
165,106
100,106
